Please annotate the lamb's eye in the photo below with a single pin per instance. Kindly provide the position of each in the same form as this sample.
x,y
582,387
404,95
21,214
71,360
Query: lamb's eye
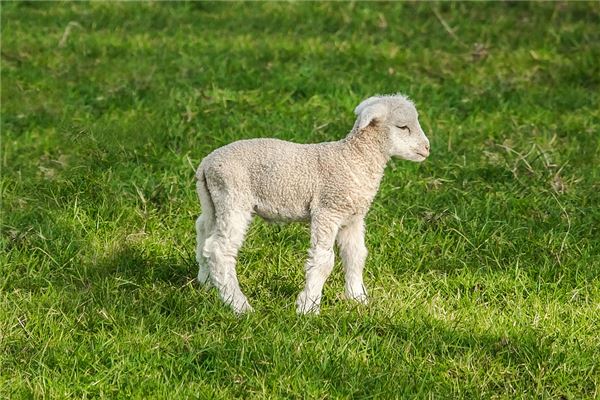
x,y
403,127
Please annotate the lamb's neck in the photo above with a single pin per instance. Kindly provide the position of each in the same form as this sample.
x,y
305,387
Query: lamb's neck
x,y
370,146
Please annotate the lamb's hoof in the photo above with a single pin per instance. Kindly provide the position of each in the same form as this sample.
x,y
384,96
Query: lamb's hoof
x,y
205,284
358,297
356,293
306,305
203,279
243,308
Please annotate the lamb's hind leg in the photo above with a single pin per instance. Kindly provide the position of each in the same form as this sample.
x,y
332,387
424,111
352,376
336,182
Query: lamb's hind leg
x,y
319,264
221,249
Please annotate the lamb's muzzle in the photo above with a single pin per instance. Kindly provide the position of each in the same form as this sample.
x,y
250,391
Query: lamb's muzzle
x,y
329,184
423,151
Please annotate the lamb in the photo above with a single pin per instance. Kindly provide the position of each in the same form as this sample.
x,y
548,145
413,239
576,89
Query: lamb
x,y
330,184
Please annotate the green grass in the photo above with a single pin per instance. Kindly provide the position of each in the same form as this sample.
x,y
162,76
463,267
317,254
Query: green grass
x,y
484,266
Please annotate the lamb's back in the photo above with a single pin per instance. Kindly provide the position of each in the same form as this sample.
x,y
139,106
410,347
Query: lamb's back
x,y
280,178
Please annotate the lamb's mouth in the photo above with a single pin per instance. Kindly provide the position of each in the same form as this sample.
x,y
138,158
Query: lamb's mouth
x,y
421,154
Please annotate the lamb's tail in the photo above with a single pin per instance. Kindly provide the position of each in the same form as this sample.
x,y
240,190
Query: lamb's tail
x,y
206,201
206,221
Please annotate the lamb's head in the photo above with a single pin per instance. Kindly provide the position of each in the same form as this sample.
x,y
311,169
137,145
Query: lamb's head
x,y
397,116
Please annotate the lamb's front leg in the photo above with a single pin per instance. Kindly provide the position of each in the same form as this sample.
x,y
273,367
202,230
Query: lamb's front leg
x,y
351,242
319,264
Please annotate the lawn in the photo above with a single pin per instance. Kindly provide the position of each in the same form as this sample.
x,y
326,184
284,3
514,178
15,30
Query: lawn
x,y
484,265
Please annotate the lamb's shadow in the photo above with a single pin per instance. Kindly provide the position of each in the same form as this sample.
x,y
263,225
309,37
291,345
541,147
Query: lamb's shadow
x,y
136,263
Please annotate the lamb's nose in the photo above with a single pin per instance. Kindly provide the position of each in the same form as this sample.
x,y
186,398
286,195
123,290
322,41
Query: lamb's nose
x,y
426,150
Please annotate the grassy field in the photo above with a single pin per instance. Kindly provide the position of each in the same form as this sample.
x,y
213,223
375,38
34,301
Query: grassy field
x,y
484,265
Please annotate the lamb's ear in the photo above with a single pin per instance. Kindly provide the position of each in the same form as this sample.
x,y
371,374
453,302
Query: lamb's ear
x,y
369,110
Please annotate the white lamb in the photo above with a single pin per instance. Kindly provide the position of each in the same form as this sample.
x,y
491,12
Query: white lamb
x,y
329,184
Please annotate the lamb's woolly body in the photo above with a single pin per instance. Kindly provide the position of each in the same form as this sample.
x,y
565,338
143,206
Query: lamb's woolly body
x,y
330,184
286,181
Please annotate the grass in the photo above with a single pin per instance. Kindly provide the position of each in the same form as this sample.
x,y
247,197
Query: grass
x,y
484,266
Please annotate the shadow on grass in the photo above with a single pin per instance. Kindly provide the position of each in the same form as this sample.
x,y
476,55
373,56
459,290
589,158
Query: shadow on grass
x,y
139,264
135,280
